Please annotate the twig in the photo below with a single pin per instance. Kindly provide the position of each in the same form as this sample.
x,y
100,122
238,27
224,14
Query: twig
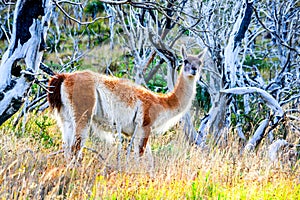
x,y
43,106
76,20
42,85
291,117
8,3
69,2
36,100
31,107
39,104
5,33
154,70
46,69
55,153
72,61
289,100
274,33
115,2
96,152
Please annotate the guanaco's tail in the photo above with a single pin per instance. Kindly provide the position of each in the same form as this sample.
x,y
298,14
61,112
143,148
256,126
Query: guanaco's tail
x,y
54,94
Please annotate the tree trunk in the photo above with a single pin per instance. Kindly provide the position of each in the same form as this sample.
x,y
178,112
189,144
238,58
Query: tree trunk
x,y
31,22
217,121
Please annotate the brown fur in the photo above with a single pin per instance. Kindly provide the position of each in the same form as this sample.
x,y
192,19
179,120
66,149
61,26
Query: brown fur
x,y
82,90
54,94
153,104
123,92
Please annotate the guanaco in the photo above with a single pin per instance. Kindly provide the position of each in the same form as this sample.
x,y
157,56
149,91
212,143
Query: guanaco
x,y
85,99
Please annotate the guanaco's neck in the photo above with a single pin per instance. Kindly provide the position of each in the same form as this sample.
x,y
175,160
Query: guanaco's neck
x,y
181,97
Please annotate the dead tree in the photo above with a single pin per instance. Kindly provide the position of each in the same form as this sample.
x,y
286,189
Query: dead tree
x,y
145,27
22,59
224,38
262,38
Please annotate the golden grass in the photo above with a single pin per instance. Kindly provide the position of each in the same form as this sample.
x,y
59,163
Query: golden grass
x,y
181,171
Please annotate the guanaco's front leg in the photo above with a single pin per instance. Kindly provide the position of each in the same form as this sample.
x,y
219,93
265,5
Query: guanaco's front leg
x,y
142,145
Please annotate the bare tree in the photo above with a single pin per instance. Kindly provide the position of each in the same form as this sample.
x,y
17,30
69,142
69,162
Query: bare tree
x,y
223,28
145,28
27,43
244,40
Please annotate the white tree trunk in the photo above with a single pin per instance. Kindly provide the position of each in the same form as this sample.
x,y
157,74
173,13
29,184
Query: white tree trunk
x,y
217,121
31,22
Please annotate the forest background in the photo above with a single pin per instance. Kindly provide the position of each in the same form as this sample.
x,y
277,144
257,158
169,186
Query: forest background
x,y
239,141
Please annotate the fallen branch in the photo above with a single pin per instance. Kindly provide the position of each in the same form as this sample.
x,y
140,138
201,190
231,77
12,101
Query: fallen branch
x,y
257,136
274,148
269,99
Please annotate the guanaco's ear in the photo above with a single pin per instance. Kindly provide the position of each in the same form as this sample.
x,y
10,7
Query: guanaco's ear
x,y
202,54
183,52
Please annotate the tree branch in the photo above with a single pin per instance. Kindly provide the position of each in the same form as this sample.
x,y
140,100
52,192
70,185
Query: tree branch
x,y
76,20
244,24
8,3
270,101
31,19
274,33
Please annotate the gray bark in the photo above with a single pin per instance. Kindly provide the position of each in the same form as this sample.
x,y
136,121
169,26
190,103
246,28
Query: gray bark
x,y
27,43
217,122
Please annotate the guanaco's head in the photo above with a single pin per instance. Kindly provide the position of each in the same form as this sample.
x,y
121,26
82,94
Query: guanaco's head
x,y
192,64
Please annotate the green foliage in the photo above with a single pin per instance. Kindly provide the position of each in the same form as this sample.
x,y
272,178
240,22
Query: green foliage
x,y
260,62
94,7
158,84
41,133
257,113
38,128
263,64
100,32
34,89
203,98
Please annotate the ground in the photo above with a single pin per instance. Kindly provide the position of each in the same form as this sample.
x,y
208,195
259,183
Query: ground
x,y
182,171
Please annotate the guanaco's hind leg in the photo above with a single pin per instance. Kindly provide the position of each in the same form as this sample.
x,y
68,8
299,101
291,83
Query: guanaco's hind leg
x,y
80,88
74,134
68,136
81,133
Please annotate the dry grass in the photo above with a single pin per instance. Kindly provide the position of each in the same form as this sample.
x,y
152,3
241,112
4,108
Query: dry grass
x,y
181,171
95,59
